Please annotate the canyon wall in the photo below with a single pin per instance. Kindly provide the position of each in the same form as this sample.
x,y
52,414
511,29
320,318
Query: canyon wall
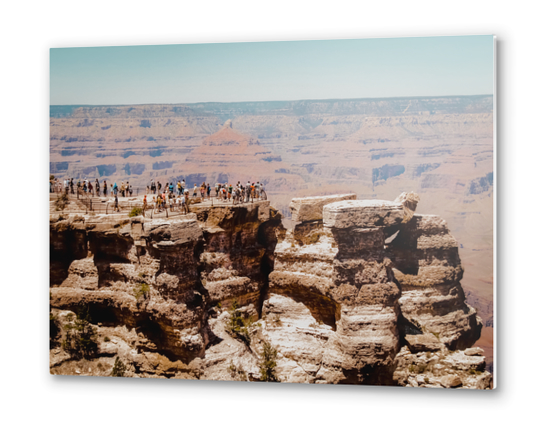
x,y
358,292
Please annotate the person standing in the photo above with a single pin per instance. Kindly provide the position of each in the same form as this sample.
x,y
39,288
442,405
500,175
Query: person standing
x,y
183,204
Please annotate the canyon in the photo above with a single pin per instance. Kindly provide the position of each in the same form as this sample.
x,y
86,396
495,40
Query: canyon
x,y
439,147
356,292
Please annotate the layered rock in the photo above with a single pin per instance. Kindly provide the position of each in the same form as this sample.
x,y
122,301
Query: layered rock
x,y
161,276
428,270
443,369
339,310
229,156
358,292
344,285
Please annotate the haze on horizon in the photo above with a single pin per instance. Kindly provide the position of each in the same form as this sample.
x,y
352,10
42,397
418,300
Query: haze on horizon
x,y
272,71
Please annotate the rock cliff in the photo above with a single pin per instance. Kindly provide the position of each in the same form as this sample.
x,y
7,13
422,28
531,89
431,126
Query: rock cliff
x,y
357,292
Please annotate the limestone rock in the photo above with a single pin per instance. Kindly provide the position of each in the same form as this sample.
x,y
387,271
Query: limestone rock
x,y
311,208
423,343
362,214
450,381
338,298
410,202
428,269
474,351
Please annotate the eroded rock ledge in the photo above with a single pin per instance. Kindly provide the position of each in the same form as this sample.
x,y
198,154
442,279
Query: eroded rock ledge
x,y
359,292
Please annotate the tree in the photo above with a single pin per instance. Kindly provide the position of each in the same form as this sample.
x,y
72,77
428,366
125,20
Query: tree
x,y
80,340
118,369
268,363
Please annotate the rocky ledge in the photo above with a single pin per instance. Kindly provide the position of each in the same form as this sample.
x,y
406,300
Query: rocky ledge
x,y
358,292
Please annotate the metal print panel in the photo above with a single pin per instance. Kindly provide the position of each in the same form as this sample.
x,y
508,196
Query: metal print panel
x,y
302,212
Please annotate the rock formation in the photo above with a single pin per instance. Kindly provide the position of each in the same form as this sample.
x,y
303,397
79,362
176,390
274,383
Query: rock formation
x,y
358,292
441,148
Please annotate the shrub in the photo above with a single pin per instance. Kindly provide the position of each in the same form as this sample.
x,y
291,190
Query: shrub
x,y
80,340
277,321
61,202
107,339
237,325
237,373
422,368
268,363
136,210
141,290
118,368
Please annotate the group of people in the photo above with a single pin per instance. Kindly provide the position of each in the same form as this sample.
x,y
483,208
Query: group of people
x,y
177,197
166,199
238,193
69,186
173,196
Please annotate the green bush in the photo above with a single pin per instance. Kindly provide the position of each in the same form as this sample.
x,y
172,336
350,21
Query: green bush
x,y
118,368
107,339
142,290
136,210
268,363
80,339
237,326
237,373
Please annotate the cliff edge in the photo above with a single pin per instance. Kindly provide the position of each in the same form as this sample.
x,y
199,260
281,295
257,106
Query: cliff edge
x,y
358,292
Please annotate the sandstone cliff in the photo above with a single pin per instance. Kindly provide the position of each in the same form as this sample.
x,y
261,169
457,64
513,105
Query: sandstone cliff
x,y
358,292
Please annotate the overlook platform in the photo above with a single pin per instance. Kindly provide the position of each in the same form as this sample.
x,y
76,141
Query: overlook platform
x,y
95,205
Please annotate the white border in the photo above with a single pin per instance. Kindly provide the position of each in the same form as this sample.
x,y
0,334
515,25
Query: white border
x,y
31,28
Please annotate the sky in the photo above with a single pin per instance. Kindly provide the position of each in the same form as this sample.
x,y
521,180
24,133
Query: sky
x,y
263,71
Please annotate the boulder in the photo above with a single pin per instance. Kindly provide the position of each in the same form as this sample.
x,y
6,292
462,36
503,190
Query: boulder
x,y
474,351
362,214
310,208
423,343
409,201
450,381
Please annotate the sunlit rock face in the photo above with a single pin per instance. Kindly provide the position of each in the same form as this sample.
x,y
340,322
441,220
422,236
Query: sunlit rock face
x,y
357,292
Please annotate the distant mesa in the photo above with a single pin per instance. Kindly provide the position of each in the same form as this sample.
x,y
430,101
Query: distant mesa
x,y
228,146
238,156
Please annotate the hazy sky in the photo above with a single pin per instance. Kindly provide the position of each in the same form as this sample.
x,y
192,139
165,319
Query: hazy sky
x,y
289,70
